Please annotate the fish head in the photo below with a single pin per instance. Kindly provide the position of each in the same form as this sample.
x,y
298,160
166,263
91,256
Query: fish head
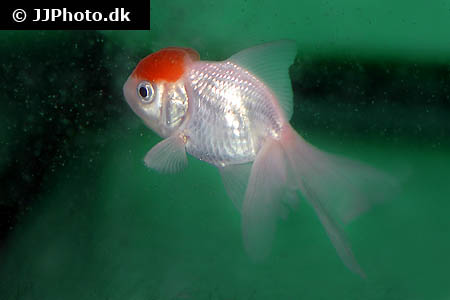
x,y
156,91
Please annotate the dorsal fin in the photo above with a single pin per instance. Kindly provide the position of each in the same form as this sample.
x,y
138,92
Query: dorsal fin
x,y
270,63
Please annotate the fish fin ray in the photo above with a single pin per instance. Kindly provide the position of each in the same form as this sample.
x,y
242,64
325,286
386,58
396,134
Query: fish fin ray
x,y
168,156
347,188
261,207
334,232
337,188
270,62
235,179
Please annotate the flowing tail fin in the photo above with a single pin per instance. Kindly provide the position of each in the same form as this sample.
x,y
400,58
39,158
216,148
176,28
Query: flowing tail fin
x,y
338,189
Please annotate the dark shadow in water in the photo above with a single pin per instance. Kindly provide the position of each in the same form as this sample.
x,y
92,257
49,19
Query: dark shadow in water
x,y
55,88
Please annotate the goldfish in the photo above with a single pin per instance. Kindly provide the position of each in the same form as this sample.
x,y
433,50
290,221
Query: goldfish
x,y
234,114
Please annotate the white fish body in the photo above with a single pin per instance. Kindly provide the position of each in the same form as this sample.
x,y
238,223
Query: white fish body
x,y
235,115
232,114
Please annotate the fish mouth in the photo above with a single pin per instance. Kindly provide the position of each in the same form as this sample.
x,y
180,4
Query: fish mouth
x,y
131,96
129,90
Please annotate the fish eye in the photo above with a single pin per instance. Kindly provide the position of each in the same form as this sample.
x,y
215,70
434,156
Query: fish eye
x,y
145,91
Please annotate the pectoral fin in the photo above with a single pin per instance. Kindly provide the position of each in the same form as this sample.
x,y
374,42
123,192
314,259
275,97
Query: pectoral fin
x,y
168,156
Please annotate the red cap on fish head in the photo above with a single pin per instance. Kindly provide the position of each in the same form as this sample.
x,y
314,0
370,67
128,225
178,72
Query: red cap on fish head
x,y
167,64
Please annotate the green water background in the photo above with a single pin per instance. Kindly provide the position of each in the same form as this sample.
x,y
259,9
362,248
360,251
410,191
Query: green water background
x,y
82,218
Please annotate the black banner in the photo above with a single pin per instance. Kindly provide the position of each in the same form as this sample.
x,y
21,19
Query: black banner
x,y
127,15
